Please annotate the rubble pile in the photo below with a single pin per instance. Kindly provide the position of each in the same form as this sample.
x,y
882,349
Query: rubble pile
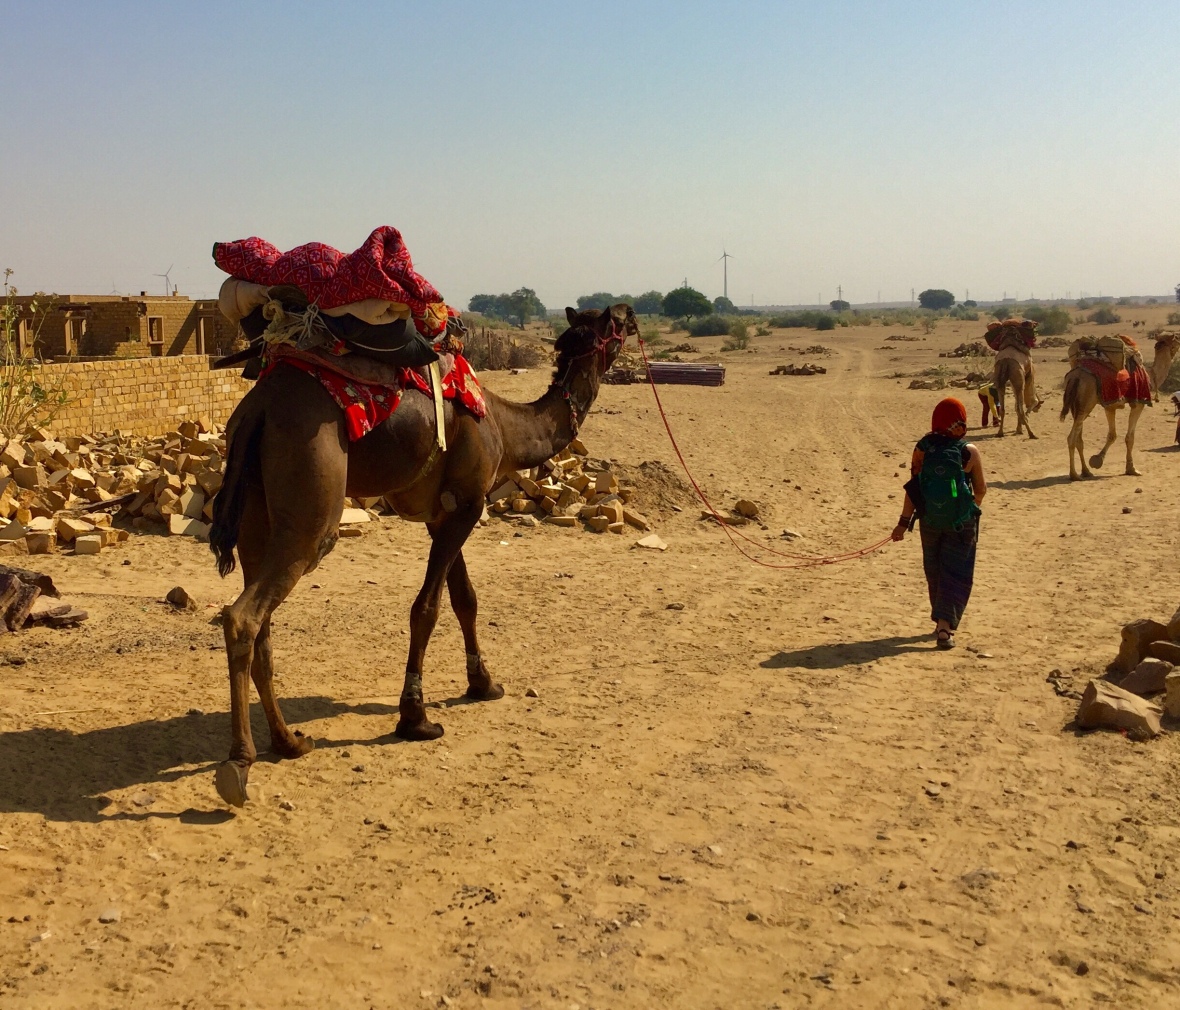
x,y
974,349
1146,667
67,492
568,490
804,369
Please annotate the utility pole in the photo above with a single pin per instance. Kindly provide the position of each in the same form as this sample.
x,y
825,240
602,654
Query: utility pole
x,y
840,292
911,298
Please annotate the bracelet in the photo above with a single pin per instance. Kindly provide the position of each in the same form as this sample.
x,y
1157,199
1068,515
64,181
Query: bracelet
x,y
903,521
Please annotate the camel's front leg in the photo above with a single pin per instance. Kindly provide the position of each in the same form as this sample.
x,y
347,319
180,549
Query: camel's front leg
x,y
448,535
1133,419
480,686
1100,457
1000,408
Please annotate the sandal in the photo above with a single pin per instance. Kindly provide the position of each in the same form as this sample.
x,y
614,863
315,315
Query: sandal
x,y
944,639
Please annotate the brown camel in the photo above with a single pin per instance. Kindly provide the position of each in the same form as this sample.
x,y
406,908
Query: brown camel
x,y
1014,369
1083,393
289,467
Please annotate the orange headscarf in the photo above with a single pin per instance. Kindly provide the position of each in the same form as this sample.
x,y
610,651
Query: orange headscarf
x,y
946,413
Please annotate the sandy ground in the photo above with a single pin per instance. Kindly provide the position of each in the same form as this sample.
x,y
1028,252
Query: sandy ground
x,y
777,796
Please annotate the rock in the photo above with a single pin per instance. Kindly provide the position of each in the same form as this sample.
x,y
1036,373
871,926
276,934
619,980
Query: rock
x,y
180,525
1106,705
792,535
89,543
597,523
529,522
109,915
180,599
41,543
746,508
1126,510
349,532
1147,678
556,520
14,531
1172,697
652,542
1169,652
531,692
674,606
354,516
1136,637
933,790
286,805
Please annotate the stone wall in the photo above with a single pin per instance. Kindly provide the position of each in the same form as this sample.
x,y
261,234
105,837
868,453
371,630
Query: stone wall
x,y
146,396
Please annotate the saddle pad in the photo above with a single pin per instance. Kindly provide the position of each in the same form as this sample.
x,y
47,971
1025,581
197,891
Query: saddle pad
x,y
368,404
381,269
1122,386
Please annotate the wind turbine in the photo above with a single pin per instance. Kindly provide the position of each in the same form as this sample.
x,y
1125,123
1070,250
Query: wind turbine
x,y
167,279
725,258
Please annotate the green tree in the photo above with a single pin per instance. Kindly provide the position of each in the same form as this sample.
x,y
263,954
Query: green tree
x,y
686,302
936,299
650,303
724,305
598,300
523,305
485,305
839,305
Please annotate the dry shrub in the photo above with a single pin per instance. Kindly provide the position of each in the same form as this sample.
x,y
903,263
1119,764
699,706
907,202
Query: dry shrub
x,y
496,350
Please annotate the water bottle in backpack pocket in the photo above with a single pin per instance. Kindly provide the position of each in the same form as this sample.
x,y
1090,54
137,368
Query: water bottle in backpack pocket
x,y
948,503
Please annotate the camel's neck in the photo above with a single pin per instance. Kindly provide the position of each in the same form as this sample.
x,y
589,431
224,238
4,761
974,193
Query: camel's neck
x,y
533,432
1161,365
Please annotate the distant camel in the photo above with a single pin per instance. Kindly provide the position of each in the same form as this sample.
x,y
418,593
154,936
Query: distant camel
x,y
290,465
1014,367
1083,392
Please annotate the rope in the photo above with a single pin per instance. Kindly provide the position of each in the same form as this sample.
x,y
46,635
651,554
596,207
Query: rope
x,y
302,329
802,560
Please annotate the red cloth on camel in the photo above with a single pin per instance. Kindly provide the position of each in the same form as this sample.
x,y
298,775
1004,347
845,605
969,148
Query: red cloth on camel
x,y
367,404
381,268
1122,386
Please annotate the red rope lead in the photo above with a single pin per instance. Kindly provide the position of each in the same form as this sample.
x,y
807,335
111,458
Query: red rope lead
x,y
802,560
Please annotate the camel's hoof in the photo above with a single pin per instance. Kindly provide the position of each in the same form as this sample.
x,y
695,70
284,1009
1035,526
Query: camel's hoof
x,y
1132,472
999,434
1031,435
1096,462
1074,476
489,692
295,747
231,782
423,729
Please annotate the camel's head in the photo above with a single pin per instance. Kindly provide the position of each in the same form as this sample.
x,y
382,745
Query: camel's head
x,y
1167,343
597,332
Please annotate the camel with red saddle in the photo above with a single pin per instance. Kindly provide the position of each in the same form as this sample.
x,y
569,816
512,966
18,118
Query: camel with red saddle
x,y
1109,371
1013,340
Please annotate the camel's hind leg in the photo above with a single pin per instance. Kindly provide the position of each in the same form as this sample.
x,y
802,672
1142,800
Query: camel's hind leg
x,y
480,685
1021,410
1133,419
1074,441
1001,406
1100,457
284,533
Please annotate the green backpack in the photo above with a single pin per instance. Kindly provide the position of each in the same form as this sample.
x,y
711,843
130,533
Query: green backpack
x,y
946,492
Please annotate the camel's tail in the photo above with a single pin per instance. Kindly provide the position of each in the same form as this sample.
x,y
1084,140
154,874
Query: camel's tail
x,y
241,466
1069,398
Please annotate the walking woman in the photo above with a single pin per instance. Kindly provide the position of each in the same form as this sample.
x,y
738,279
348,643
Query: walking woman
x,y
945,490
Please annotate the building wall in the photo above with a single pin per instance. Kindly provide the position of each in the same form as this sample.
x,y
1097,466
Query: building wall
x,y
145,396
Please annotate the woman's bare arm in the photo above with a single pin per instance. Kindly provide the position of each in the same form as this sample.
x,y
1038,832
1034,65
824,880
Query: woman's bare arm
x,y
974,469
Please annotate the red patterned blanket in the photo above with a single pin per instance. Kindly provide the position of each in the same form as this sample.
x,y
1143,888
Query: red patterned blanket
x,y
1125,386
381,268
367,404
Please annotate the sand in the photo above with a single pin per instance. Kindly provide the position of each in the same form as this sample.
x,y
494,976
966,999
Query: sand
x,y
775,793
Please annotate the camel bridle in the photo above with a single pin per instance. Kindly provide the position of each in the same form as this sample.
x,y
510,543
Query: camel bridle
x,y
602,345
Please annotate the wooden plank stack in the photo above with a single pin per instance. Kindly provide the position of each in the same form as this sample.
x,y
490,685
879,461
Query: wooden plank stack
x,y
694,373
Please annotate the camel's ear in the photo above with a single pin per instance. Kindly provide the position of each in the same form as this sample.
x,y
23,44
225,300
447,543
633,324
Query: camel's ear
x,y
571,315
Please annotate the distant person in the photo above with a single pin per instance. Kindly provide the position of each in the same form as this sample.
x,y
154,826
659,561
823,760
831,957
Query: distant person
x,y
1176,403
944,492
987,399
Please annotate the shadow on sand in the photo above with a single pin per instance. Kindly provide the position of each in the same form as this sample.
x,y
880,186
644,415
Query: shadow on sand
x,y
830,657
63,775
1021,485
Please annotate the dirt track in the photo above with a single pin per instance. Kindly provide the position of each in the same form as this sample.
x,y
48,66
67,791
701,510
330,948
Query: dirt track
x,y
721,806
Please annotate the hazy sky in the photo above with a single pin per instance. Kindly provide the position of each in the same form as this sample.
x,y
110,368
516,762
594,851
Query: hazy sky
x,y
1028,147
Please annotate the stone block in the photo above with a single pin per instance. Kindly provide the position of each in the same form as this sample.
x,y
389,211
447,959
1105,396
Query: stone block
x,y
619,527
29,476
633,518
1106,705
353,516
606,483
597,523
507,490
41,543
1172,694
192,502
179,525
613,510
68,528
1147,678
88,543
559,520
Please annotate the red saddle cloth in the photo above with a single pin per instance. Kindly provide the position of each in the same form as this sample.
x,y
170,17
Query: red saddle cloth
x,y
1125,386
381,268
367,404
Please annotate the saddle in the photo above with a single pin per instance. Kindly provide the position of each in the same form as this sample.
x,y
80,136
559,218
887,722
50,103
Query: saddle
x,y
1110,351
375,351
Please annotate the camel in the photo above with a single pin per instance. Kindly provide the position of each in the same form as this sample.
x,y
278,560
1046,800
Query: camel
x,y
1014,367
289,466
1083,393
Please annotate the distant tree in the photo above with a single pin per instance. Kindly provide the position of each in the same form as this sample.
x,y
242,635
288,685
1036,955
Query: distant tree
x,y
485,305
650,303
1051,320
598,300
970,303
686,302
839,305
936,299
523,305
724,305
1104,315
